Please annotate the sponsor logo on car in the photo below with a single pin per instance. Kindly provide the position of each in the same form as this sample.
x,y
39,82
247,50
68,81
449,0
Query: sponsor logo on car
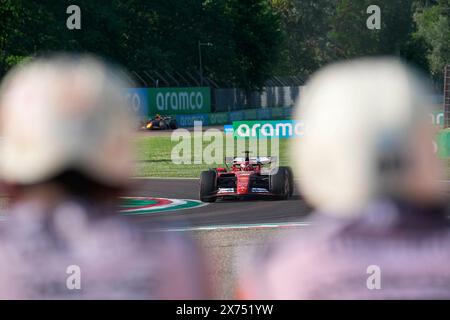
x,y
225,190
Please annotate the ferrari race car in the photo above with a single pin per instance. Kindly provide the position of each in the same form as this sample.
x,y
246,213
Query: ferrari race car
x,y
161,123
246,177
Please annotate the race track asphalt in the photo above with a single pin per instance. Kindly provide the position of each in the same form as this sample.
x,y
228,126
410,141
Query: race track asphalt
x,y
220,213
227,213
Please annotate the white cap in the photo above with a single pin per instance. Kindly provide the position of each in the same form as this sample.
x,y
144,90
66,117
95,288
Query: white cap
x,y
362,123
61,113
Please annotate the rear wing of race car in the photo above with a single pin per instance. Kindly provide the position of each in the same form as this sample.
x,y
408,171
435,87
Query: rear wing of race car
x,y
252,160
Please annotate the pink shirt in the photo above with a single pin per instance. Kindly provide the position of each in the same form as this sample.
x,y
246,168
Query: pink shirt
x,y
336,259
116,260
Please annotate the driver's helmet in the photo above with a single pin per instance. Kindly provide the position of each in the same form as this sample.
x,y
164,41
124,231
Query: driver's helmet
x,y
246,166
158,116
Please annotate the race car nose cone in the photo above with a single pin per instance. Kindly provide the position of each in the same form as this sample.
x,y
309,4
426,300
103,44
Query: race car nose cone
x,y
242,184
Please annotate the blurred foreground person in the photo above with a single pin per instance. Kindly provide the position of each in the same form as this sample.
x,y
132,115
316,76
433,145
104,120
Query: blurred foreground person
x,y
65,158
366,163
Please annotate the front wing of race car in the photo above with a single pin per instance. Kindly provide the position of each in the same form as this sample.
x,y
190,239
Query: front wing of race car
x,y
242,186
228,193
222,184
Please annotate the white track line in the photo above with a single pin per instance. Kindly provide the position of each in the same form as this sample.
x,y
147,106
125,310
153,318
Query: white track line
x,y
240,227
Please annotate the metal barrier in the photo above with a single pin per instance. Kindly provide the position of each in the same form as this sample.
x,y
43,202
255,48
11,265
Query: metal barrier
x,y
226,100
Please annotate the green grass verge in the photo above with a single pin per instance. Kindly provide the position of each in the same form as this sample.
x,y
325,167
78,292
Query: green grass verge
x,y
154,157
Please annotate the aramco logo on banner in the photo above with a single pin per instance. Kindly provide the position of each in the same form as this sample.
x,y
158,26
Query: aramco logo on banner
x,y
179,100
268,129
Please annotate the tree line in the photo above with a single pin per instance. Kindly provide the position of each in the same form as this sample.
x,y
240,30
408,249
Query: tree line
x,y
252,40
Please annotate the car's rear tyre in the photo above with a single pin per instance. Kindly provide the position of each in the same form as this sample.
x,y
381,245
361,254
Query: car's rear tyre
x,y
279,183
290,179
173,124
208,185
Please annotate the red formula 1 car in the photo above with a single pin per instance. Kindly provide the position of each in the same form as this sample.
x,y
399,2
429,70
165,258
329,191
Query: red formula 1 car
x,y
246,177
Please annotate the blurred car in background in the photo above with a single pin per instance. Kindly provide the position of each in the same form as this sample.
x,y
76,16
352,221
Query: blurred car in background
x,y
161,123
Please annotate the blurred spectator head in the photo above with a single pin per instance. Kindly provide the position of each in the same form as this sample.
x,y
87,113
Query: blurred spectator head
x,y
367,135
65,118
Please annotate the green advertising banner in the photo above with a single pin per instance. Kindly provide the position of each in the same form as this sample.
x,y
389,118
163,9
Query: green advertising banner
x,y
179,100
268,129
